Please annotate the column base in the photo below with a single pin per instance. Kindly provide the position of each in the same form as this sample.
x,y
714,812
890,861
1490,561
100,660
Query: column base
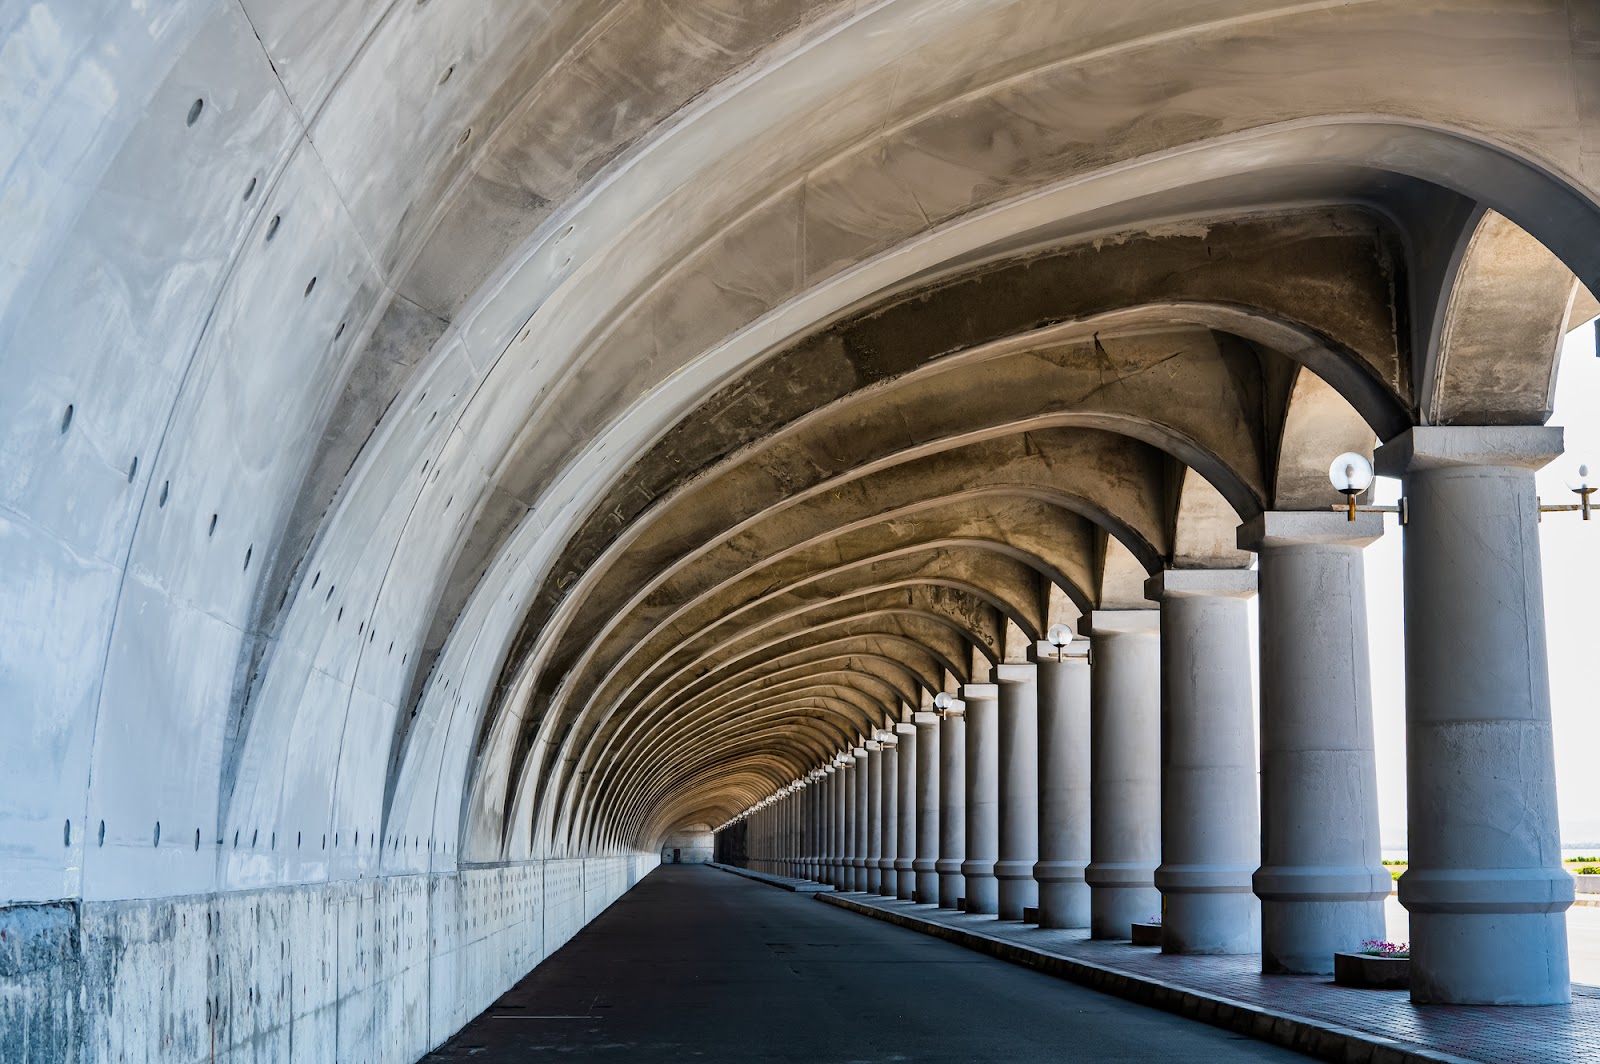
x,y
952,888
1490,959
1113,910
886,877
906,885
1301,937
874,877
983,894
1063,905
1211,924
1016,894
927,892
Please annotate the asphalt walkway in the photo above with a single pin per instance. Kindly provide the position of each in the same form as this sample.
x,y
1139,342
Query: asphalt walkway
x,y
694,964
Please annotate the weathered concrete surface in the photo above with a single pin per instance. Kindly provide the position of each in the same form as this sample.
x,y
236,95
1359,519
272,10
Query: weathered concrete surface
x,y
370,970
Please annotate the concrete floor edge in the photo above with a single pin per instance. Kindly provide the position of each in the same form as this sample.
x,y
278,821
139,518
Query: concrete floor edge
x,y
1286,1030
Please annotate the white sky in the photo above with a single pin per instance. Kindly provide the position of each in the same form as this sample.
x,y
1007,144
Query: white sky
x,y
1572,615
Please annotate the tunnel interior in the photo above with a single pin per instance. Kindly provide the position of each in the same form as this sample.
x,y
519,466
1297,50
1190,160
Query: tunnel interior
x,y
454,457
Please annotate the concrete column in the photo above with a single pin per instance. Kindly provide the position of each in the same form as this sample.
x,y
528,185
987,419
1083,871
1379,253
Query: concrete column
x,y
1485,887
952,780
1321,880
889,819
1124,770
1210,829
872,852
983,797
842,786
1019,789
929,807
859,799
1063,785
905,875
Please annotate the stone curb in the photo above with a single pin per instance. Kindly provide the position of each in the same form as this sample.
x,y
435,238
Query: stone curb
x,y
798,886
1315,1038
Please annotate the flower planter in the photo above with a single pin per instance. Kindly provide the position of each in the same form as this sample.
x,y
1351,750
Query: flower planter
x,y
1147,934
1370,972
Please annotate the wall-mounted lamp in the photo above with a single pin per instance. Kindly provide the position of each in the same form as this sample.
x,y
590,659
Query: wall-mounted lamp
x,y
1351,474
1060,637
1583,487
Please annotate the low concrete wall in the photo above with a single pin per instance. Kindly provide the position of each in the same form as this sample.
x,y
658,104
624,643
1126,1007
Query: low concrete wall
x,y
379,970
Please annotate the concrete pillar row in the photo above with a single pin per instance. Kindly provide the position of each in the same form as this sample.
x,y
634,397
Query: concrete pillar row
x,y
1321,882
1063,701
872,827
924,866
983,797
888,815
1018,720
1485,887
859,796
1124,770
905,855
952,823
1210,828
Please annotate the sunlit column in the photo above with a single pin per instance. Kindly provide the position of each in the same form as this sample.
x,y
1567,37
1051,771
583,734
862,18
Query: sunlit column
x,y
905,875
1485,886
952,780
1321,880
888,814
872,826
929,807
983,797
1124,770
1019,788
1063,785
1210,830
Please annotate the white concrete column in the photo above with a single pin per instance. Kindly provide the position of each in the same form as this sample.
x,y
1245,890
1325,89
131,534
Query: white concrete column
x,y
843,788
905,886
1321,880
872,828
1210,828
859,797
929,810
1019,788
888,812
983,797
1485,887
1063,785
952,779
1124,770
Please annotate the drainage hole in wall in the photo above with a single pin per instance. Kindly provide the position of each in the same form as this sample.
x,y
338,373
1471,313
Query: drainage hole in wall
x,y
310,285
329,595
66,834
372,635
194,112
339,331
197,840
404,656
272,226
447,72
466,135
133,469
254,835
165,484
274,840
102,839
236,838
249,190
157,840
248,551
324,842
391,648
66,418
316,578
213,530
339,618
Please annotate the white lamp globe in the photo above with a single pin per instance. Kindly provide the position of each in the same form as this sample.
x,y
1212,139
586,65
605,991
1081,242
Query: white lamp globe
x,y
1350,473
941,701
1059,635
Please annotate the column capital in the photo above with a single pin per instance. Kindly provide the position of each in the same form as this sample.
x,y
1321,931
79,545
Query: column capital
x,y
924,719
911,729
1013,672
859,752
980,692
1201,583
870,746
1300,528
1120,622
1443,446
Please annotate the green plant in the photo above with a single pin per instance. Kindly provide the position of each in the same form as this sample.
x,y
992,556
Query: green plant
x,y
1589,870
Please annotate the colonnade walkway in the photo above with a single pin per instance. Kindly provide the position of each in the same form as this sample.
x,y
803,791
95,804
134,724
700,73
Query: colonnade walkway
x,y
1298,1011
697,964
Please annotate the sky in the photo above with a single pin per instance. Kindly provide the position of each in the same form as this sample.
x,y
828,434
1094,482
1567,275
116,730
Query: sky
x,y
1569,548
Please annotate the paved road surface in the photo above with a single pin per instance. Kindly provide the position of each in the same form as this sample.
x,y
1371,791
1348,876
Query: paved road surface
x,y
699,965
